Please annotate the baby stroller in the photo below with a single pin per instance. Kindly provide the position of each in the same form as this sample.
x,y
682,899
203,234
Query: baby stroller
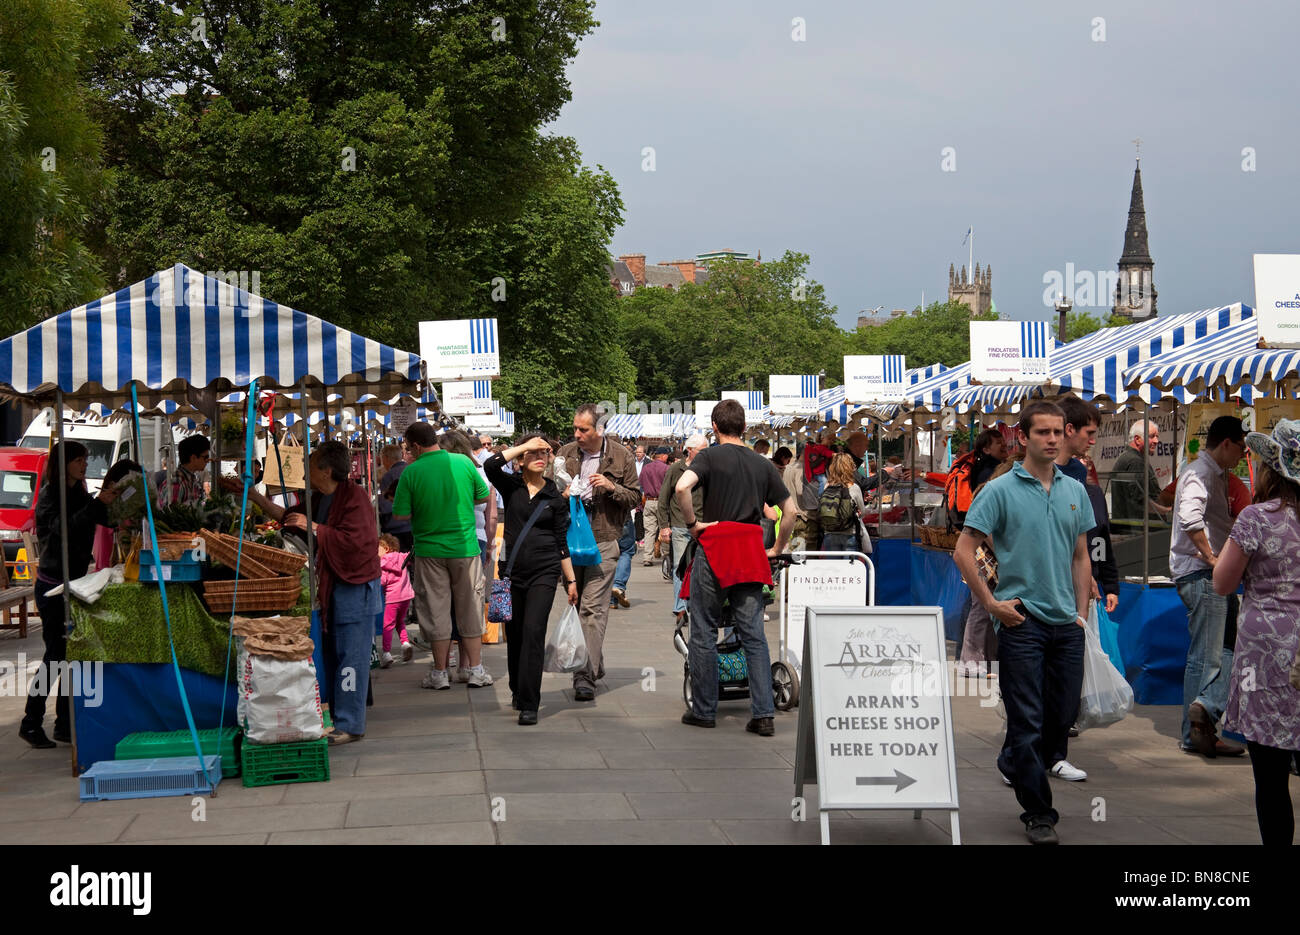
x,y
733,668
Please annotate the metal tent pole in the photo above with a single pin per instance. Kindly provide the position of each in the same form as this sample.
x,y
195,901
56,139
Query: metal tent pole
x,y
64,680
306,482
1146,499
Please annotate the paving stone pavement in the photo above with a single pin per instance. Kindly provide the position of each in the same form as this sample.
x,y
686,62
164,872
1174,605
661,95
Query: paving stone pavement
x,y
454,767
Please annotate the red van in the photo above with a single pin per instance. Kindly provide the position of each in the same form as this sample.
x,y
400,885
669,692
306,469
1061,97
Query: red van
x,y
21,470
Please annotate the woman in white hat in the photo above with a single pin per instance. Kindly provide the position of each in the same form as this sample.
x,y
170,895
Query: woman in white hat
x,y
1264,550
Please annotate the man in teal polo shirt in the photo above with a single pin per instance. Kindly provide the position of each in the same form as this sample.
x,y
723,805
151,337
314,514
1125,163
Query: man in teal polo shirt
x,y
438,491
1038,520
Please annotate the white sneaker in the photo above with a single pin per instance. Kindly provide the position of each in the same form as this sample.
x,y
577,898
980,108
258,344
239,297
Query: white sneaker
x,y
1063,770
462,674
407,652
478,677
386,661
436,679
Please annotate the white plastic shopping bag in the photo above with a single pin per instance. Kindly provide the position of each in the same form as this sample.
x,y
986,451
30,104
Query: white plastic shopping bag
x,y
1106,696
566,647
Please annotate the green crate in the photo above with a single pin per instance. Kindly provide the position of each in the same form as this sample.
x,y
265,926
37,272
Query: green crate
x,y
269,764
157,744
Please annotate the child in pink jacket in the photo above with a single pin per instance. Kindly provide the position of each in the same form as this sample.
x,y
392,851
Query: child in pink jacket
x,y
397,597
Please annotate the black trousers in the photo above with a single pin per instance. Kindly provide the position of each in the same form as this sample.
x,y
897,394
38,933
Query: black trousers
x,y
1272,769
53,623
530,606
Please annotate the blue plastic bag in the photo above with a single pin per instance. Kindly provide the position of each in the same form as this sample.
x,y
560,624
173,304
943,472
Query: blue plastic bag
x,y
582,541
1108,631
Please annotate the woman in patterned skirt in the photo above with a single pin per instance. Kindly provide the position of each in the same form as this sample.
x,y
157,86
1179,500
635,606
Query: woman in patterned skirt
x,y
1264,550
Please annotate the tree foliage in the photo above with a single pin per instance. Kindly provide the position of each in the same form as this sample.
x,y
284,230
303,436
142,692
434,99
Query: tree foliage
x,y
938,335
746,322
50,167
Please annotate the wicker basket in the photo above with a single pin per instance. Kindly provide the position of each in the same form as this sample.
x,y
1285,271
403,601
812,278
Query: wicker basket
x,y
278,593
944,540
926,534
222,548
280,561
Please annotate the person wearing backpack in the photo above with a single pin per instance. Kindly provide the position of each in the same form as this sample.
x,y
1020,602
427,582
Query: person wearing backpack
x,y
839,508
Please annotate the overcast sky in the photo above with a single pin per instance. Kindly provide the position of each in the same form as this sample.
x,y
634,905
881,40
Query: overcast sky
x,y
833,146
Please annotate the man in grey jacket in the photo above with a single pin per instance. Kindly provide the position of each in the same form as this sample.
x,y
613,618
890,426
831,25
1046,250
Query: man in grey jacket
x,y
604,476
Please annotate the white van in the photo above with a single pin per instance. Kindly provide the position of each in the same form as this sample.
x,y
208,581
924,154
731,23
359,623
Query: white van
x,y
107,441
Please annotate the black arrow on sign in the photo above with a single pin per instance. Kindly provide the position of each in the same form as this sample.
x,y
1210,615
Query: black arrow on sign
x,y
899,781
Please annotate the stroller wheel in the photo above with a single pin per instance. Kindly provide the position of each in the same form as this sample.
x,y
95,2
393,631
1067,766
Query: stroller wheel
x,y
686,686
666,568
785,686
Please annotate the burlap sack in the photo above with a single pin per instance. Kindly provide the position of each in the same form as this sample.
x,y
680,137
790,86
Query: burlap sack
x,y
250,626
287,647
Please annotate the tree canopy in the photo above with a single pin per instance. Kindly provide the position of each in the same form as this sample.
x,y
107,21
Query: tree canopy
x,y
939,334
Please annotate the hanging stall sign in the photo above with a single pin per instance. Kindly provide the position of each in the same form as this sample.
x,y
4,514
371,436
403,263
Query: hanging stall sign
x,y
755,412
1006,352
875,378
1277,299
498,422
1267,412
463,397
461,350
793,394
1199,417
659,425
1113,438
402,416
827,582
704,414
876,729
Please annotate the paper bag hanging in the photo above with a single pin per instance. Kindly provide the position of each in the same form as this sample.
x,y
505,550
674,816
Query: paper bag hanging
x,y
291,458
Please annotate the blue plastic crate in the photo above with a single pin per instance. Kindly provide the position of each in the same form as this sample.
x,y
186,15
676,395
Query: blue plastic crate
x,y
186,568
148,779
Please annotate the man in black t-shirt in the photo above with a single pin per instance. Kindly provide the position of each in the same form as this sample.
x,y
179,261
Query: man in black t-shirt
x,y
730,564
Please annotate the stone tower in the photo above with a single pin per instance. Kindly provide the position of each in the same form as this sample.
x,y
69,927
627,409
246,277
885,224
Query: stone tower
x,y
1135,294
977,294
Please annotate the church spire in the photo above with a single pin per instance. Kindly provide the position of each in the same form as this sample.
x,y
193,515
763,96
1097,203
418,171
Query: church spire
x,y
1136,250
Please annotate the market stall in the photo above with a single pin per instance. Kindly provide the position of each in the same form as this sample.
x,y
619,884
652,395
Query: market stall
x,y
180,336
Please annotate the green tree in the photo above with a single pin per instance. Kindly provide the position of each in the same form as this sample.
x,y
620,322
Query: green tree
x,y
938,335
748,321
50,157
1078,324
374,162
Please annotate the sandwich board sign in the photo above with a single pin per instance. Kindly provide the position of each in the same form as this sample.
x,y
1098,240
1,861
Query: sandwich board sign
x,y
1277,299
465,349
875,731
1008,352
875,378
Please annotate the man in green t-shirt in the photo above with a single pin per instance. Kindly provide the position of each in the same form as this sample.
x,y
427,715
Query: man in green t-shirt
x,y
438,491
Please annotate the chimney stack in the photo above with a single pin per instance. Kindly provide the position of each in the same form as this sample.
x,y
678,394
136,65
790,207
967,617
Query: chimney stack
x,y
636,265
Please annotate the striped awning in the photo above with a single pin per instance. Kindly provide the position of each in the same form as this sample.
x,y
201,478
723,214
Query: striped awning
x,y
181,329
1094,365
1230,360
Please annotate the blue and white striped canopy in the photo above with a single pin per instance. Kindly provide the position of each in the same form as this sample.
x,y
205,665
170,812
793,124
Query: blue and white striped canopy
x,y
933,392
1094,365
1230,360
179,329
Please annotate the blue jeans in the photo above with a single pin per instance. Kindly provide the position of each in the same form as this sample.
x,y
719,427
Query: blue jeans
x,y
747,617
626,551
347,649
1040,672
681,538
840,542
1209,664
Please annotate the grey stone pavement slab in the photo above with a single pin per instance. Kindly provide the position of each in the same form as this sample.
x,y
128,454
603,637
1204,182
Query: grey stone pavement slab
x,y
453,767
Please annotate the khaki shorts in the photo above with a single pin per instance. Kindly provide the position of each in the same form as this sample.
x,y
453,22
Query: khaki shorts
x,y
444,583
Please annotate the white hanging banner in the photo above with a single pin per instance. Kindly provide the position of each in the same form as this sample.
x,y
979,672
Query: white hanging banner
x,y
461,350
704,414
875,378
1007,352
792,394
465,397
1277,299
755,412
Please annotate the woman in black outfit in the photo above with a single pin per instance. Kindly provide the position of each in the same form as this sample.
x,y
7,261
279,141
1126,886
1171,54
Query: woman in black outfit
x,y
533,561
84,513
